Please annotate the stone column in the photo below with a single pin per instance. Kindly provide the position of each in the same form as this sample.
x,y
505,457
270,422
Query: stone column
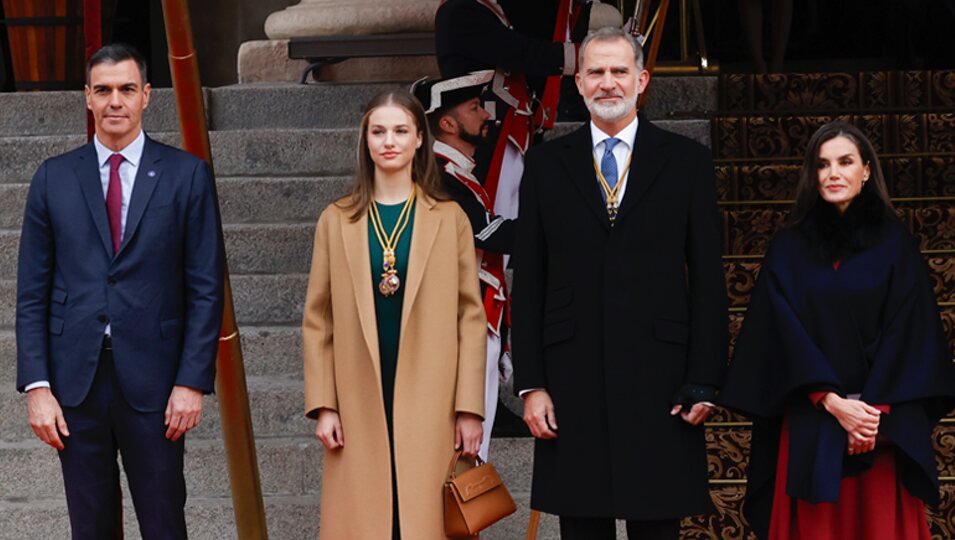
x,y
261,61
351,18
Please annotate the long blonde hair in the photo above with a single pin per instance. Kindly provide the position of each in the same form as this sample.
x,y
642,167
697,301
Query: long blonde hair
x,y
424,171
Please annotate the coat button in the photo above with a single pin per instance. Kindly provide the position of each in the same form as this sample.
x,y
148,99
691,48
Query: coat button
x,y
111,281
102,318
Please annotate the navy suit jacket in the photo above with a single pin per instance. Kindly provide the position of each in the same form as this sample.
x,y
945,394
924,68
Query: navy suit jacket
x,y
162,293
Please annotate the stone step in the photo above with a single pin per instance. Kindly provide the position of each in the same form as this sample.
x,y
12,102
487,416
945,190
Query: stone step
x,y
301,106
276,351
287,466
260,152
277,152
209,515
275,200
682,97
287,518
286,248
271,351
268,299
13,198
268,106
250,248
278,299
8,359
254,106
9,252
64,113
276,403
290,470
264,249
241,199
257,106
267,351
259,299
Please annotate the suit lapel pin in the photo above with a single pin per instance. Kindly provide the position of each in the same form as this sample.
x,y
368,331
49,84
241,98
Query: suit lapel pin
x,y
151,173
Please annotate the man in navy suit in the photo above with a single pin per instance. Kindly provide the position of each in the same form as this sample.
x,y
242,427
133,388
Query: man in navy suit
x,y
119,307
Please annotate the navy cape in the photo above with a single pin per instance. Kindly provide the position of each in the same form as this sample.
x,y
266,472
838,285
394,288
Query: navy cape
x,y
869,327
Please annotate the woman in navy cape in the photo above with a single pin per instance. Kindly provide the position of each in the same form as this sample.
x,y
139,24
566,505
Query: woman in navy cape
x,y
841,362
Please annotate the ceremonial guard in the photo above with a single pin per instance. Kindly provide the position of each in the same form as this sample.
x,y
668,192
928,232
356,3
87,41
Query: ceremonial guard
x,y
460,126
472,35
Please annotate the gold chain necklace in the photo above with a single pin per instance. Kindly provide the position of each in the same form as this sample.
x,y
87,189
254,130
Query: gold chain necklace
x,y
390,283
612,194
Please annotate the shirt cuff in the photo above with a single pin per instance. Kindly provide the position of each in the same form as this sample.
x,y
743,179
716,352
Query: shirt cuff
x,y
526,391
38,384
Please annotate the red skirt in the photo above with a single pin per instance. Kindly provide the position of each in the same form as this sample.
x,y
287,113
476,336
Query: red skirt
x,y
871,506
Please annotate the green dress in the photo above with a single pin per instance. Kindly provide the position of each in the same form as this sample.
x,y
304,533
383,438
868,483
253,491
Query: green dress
x,y
388,318
388,308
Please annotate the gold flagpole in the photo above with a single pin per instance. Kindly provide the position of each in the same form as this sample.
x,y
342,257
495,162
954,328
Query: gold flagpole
x,y
230,381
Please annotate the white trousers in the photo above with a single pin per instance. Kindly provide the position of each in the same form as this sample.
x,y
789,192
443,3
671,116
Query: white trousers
x,y
508,185
492,382
505,205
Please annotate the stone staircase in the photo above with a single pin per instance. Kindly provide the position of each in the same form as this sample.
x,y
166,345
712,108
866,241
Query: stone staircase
x,y
281,154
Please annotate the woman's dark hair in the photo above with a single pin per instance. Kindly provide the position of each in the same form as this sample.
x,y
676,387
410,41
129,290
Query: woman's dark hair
x,y
832,235
424,170
115,53
807,190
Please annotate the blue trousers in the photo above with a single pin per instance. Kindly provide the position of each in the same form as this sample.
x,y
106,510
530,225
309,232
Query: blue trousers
x,y
101,425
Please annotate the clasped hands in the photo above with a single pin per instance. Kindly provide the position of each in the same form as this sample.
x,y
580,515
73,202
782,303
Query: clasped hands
x,y
540,417
183,412
858,418
468,431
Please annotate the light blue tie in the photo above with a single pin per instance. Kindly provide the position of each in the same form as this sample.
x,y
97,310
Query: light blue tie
x,y
608,164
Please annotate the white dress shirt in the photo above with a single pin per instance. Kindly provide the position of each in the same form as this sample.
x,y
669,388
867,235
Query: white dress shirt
x,y
621,152
132,156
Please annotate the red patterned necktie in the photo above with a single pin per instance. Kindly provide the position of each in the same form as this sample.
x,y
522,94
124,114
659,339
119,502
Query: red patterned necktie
x,y
114,201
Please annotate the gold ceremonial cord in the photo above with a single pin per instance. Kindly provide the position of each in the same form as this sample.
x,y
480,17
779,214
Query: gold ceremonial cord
x,y
611,194
390,243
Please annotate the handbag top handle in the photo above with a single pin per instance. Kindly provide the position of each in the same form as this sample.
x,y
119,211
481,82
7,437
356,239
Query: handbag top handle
x,y
453,469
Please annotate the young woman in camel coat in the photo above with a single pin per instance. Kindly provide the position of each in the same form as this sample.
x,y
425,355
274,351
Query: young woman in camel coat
x,y
386,404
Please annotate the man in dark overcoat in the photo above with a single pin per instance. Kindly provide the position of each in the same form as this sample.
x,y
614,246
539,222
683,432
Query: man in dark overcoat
x,y
619,310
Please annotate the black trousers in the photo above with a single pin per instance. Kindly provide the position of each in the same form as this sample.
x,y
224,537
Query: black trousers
x,y
99,427
606,528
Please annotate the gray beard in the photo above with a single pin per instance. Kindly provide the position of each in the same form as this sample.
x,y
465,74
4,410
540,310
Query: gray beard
x,y
609,113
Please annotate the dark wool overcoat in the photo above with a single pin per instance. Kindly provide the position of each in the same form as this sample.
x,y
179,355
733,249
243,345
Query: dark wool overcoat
x,y
613,320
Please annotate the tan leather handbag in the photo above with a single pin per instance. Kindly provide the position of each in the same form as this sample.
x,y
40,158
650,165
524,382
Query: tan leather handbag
x,y
474,499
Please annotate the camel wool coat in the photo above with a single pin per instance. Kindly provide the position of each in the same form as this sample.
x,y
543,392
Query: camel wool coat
x,y
440,370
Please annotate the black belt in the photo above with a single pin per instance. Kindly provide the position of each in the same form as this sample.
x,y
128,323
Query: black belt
x,y
107,342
